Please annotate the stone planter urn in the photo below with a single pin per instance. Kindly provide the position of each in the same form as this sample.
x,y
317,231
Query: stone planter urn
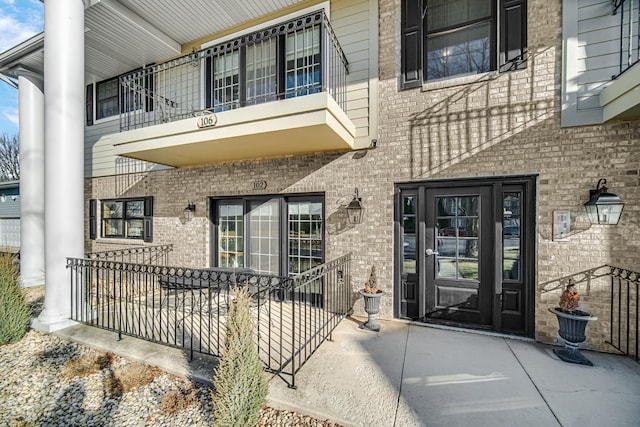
x,y
572,323
372,308
371,295
571,328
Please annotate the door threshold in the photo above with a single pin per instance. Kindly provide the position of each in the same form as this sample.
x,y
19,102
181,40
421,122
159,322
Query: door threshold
x,y
476,329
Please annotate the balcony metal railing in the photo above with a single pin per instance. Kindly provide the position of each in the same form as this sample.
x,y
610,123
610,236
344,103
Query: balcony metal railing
x,y
629,50
154,255
294,58
187,308
612,294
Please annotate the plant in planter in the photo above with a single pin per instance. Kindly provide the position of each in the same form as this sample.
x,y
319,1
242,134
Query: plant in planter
x,y
371,295
572,321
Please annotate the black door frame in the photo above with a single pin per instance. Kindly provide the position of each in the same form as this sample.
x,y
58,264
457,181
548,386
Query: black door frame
x,y
418,190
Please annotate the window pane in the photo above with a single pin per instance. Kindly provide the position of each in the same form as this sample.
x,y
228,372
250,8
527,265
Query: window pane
x,y
226,83
448,13
230,235
113,227
112,210
458,230
463,51
107,98
135,209
262,74
264,224
511,240
135,228
409,234
303,61
305,236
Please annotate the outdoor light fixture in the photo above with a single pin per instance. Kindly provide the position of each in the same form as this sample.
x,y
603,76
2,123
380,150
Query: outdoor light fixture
x,y
354,209
189,211
603,207
3,198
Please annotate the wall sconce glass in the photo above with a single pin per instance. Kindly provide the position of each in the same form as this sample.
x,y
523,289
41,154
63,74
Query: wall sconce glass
x,y
189,211
603,207
3,198
354,209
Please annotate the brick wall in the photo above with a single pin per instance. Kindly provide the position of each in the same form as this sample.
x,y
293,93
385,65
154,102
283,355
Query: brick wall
x,y
507,124
510,124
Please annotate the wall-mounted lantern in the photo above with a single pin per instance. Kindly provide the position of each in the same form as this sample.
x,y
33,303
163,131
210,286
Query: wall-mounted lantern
x,y
189,211
354,209
603,207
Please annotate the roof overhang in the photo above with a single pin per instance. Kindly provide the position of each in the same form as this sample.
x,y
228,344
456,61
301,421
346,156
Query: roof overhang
x,y
620,100
307,124
122,35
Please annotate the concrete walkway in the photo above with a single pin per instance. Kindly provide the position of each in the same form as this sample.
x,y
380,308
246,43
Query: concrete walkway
x,y
413,375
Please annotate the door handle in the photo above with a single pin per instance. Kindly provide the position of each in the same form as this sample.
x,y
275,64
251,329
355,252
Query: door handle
x,y
430,252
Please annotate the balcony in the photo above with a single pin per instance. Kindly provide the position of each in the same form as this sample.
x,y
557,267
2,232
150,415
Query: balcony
x,y
620,100
274,92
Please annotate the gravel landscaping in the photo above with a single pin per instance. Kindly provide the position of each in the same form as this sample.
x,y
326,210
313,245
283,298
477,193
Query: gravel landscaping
x,y
47,381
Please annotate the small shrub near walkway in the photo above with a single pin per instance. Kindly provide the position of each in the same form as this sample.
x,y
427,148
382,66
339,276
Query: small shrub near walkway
x,y
240,382
14,310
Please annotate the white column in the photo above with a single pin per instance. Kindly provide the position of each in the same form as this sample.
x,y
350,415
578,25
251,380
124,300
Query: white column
x,y
64,157
31,110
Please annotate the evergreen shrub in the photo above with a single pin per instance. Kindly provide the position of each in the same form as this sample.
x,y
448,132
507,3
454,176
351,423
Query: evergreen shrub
x,y
240,381
14,310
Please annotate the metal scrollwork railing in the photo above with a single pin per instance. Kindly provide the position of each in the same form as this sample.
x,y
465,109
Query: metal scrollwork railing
x,y
293,58
620,299
629,46
187,307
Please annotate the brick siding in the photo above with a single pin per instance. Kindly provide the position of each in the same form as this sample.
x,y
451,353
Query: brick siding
x,y
504,124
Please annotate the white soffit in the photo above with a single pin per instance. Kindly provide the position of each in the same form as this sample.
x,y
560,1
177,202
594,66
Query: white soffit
x,y
187,20
123,35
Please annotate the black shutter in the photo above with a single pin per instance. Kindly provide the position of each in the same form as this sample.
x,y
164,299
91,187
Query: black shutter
x,y
411,43
513,34
93,221
148,219
148,83
89,105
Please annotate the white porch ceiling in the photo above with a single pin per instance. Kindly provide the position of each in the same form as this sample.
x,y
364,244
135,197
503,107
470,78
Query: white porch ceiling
x,y
122,35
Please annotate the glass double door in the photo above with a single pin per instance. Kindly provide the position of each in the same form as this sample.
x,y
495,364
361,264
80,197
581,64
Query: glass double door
x,y
464,254
277,235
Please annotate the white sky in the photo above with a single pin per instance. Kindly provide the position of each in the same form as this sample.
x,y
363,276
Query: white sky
x,y
19,20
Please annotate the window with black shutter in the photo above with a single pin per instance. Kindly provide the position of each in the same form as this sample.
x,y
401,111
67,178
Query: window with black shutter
x,y
123,218
450,38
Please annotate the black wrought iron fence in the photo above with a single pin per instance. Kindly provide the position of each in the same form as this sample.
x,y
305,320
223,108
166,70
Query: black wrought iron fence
x,y
624,311
611,294
187,308
150,255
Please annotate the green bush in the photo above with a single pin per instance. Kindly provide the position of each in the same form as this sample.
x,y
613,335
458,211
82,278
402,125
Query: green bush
x,y
14,310
240,381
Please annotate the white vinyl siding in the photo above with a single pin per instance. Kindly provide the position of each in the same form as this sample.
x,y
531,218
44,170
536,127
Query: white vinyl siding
x,y
350,21
591,40
598,44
